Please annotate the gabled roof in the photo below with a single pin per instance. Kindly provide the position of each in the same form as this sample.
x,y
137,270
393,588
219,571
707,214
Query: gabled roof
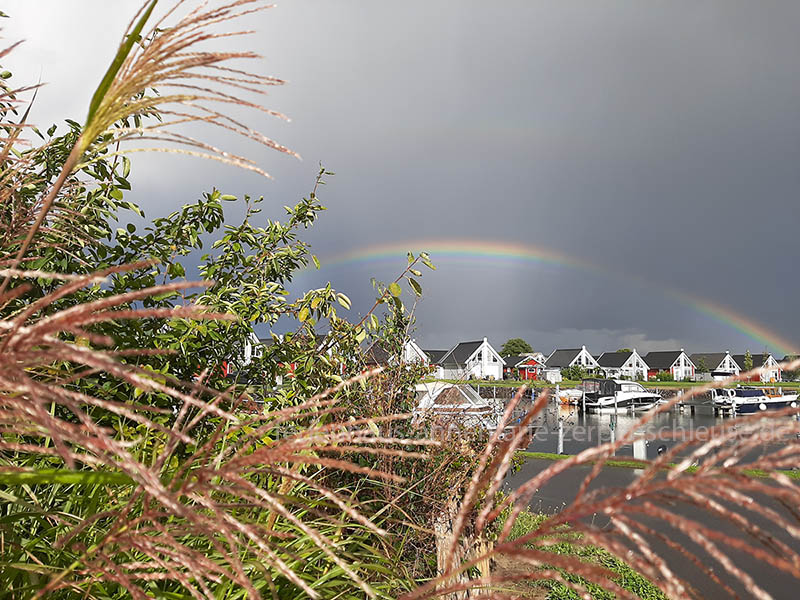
x,y
712,359
460,353
758,359
518,359
562,357
613,359
435,356
514,359
662,360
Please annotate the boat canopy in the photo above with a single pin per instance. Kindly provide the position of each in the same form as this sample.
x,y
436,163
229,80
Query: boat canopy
x,y
601,387
749,392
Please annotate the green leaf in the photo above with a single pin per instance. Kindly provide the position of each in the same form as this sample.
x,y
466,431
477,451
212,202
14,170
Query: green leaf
x,y
415,286
343,300
395,290
373,428
227,198
316,260
176,270
303,315
119,59
63,476
126,166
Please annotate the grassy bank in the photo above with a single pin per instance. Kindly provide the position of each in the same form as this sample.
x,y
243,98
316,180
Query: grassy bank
x,y
626,577
630,463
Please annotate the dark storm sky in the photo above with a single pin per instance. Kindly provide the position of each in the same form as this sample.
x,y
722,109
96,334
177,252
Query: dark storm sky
x,y
659,140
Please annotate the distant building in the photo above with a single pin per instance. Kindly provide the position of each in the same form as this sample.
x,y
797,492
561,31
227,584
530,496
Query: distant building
x,y
720,365
523,366
772,371
471,360
675,362
571,357
435,357
628,364
376,355
562,358
412,353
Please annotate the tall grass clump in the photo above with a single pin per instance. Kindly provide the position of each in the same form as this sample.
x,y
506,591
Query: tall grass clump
x,y
119,478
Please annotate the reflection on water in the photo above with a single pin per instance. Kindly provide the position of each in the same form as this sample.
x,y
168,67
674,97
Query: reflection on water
x,y
565,429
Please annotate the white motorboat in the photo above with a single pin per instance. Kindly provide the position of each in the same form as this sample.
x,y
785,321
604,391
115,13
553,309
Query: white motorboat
x,y
751,399
609,395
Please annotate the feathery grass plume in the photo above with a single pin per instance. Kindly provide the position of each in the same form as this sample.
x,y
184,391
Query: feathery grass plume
x,y
735,473
166,73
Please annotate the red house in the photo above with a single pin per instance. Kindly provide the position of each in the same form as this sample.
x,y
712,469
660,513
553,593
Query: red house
x,y
527,367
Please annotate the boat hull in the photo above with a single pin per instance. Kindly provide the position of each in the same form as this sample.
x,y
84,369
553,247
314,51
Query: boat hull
x,y
747,408
636,403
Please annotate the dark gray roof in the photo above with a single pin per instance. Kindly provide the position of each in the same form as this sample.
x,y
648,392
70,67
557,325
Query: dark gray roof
x,y
758,359
514,359
435,356
562,358
613,359
712,359
460,353
661,360
376,354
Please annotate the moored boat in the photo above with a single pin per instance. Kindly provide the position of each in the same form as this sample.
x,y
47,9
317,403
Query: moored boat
x,y
750,399
609,395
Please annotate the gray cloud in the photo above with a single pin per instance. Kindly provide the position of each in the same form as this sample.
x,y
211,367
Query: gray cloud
x,y
659,139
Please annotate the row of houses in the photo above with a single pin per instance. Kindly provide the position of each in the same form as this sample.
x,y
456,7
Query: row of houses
x,y
479,360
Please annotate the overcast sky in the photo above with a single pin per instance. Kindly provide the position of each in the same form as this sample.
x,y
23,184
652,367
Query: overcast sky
x,y
658,140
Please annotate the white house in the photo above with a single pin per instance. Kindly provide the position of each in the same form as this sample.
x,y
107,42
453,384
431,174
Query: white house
x,y
562,358
471,360
571,357
720,365
627,364
771,372
675,362
412,353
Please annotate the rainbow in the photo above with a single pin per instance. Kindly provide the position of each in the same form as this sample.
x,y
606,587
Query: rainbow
x,y
511,253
